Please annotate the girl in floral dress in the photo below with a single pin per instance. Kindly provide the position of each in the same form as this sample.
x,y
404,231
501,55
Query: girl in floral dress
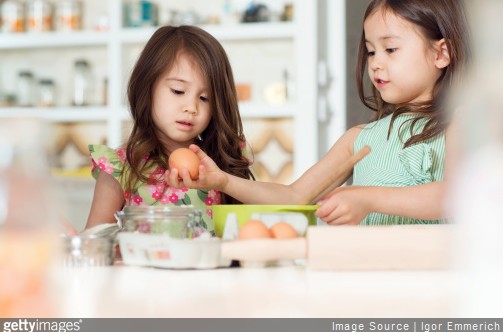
x,y
181,92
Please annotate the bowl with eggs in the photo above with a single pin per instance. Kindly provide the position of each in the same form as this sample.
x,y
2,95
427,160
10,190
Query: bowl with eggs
x,y
298,215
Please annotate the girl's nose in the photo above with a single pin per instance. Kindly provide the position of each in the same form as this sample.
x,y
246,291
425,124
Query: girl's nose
x,y
190,108
375,65
375,62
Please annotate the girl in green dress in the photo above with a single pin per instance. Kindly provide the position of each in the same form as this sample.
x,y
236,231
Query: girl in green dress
x,y
410,54
181,92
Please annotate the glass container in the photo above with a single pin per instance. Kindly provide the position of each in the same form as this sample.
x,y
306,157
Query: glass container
x,y
81,83
46,93
69,15
39,16
25,88
180,222
13,18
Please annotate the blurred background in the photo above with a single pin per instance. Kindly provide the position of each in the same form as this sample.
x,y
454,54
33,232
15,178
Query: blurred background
x,y
67,62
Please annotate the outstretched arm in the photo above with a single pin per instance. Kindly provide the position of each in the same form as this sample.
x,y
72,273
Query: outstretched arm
x,y
256,192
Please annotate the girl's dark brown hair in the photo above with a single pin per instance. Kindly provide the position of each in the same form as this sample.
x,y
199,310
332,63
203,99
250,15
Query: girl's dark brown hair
x,y
436,19
223,137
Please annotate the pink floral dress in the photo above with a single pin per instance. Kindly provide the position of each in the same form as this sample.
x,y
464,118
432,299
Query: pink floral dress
x,y
112,161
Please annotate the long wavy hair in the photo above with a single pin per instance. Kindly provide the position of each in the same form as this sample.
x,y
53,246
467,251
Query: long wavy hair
x,y
435,19
223,138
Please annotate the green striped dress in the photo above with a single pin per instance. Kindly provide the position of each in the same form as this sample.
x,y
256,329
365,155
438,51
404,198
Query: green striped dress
x,y
390,165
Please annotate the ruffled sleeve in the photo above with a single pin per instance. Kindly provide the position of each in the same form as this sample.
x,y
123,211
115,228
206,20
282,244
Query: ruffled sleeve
x,y
104,158
417,160
246,151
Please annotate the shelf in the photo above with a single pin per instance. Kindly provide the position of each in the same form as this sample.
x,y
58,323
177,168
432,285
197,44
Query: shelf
x,y
243,31
100,113
250,110
52,39
58,114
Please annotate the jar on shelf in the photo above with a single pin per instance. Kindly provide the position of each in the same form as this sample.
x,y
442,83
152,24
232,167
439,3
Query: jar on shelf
x,y
81,83
25,88
39,16
46,93
13,18
69,15
141,13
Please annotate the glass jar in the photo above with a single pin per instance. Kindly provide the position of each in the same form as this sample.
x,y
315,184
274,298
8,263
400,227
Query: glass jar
x,y
180,222
39,16
141,13
12,16
81,83
25,88
69,15
46,93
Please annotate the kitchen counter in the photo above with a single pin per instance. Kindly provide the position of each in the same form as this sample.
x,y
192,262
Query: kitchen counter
x,y
290,291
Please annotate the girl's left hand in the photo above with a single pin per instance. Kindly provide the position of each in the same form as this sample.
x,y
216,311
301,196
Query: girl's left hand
x,y
345,206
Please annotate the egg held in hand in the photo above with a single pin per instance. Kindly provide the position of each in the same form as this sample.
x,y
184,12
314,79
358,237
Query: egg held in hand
x,y
183,158
254,229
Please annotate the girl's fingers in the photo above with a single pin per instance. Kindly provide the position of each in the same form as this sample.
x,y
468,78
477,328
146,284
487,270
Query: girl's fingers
x,y
200,153
326,207
186,179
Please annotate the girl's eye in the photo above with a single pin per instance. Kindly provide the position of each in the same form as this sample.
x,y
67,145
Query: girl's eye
x,y
391,50
203,98
371,53
177,92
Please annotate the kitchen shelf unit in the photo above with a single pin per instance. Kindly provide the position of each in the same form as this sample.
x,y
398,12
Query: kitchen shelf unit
x,y
301,32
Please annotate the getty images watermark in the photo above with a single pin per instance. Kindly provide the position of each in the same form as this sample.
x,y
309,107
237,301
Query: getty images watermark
x,y
37,325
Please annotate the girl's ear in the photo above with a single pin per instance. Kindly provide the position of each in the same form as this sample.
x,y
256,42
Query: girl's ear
x,y
442,58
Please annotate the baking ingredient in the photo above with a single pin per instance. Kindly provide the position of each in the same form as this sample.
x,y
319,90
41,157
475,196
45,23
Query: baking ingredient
x,y
254,229
283,230
183,158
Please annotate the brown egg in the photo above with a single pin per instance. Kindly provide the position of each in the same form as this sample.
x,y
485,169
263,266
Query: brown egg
x,y
185,158
283,230
254,229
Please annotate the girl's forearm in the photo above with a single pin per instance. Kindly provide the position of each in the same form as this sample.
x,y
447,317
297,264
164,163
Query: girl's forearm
x,y
256,192
425,201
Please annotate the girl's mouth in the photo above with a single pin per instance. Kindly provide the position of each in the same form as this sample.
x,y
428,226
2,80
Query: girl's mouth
x,y
380,83
183,125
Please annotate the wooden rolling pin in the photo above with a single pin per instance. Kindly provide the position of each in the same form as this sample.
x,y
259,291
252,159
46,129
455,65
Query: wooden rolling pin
x,y
401,247
335,178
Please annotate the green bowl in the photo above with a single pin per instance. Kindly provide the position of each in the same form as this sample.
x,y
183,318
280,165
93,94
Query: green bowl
x,y
244,212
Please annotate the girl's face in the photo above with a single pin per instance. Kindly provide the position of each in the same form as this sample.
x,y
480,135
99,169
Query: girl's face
x,y
402,65
180,108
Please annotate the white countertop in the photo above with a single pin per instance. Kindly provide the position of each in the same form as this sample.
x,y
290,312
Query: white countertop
x,y
291,291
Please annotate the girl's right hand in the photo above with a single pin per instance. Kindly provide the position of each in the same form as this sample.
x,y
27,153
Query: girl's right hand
x,y
210,175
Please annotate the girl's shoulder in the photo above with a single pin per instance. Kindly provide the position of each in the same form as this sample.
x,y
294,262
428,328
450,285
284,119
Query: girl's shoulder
x,y
107,159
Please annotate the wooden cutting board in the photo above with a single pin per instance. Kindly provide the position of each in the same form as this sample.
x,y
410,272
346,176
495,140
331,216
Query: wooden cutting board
x,y
401,247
